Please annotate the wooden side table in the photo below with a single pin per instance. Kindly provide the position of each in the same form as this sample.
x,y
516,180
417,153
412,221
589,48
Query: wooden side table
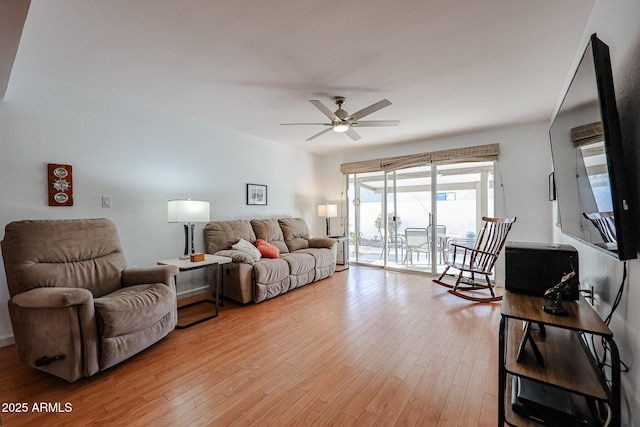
x,y
187,265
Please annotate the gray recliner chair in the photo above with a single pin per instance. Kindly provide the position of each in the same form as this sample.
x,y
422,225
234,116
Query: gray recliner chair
x,y
75,307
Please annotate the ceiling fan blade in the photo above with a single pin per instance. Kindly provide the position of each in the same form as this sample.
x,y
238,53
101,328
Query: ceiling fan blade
x,y
306,124
320,133
320,106
351,133
374,123
370,109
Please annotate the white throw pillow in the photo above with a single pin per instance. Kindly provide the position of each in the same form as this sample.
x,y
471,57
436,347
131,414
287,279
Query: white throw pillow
x,y
247,248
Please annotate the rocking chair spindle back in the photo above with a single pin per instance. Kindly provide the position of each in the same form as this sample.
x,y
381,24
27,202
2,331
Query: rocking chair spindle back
x,y
478,260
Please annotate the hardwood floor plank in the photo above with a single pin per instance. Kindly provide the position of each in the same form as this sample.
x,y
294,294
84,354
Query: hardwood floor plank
x,y
438,396
294,377
271,409
232,410
381,399
333,384
336,410
367,419
360,401
401,396
344,421
300,410
363,347
452,407
474,396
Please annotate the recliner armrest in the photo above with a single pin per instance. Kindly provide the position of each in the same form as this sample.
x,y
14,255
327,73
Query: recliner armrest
x,y
142,275
52,297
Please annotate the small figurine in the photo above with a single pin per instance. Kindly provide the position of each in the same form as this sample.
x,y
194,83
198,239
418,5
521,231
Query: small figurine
x,y
554,296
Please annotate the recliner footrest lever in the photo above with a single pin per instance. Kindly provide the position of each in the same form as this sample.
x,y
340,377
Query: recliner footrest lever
x,y
45,360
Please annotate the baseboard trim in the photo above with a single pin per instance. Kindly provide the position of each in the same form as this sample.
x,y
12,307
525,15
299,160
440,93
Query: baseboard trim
x,y
6,340
192,292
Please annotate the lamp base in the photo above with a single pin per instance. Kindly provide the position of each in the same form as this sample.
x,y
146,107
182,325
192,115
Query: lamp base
x,y
187,254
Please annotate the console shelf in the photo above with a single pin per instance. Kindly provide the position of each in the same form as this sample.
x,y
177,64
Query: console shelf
x,y
568,363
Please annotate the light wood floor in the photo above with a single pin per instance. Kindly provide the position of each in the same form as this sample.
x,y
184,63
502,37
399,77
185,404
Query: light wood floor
x,y
364,347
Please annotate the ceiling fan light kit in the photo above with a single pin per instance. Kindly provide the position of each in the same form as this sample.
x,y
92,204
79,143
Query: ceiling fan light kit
x,y
342,122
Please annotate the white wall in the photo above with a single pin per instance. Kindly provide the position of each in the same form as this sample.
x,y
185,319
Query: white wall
x,y
140,158
616,23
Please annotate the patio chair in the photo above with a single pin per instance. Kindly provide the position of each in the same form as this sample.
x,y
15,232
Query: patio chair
x,y
441,236
417,240
478,260
394,242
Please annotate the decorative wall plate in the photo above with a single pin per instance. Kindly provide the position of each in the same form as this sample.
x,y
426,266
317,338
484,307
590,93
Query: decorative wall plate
x,y
60,190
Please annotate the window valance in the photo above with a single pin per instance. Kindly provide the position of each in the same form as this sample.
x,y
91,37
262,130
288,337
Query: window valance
x,y
587,134
478,153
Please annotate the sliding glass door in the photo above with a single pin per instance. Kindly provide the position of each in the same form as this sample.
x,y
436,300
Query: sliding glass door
x,y
409,203
464,196
407,219
365,218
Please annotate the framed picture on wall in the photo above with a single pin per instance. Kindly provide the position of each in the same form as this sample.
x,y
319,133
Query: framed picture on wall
x,y
256,194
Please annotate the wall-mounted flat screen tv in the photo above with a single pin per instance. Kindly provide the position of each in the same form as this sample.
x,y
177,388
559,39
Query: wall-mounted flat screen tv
x,y
588,161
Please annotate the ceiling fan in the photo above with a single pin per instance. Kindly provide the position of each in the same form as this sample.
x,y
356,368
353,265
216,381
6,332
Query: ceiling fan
x,y
343,122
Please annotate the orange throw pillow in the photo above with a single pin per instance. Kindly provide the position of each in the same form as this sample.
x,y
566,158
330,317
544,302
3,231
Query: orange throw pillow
x,y
267,249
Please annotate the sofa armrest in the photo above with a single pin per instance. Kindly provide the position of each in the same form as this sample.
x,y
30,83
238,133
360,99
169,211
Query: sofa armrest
x,y
157,274
321,242
52,297
236,256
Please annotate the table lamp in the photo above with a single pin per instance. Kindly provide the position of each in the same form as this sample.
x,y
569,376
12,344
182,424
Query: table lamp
x,y
328,211
189,211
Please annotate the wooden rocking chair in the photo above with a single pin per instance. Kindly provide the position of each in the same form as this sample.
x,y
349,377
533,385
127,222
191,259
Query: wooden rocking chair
x,y
478,260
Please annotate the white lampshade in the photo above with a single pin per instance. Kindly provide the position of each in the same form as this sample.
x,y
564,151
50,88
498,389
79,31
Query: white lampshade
x,y
328,211
188,211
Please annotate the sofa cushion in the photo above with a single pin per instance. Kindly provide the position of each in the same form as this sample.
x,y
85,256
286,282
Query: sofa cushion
x,y
220,235
299,263
248,248
268,250
269,230
271,278
269,271
133,308
295,232
323,257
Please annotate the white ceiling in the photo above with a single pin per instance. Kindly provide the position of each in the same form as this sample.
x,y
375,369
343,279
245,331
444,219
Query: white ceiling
x,y
448,66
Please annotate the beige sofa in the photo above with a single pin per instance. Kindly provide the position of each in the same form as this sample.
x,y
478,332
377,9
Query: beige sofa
x,y
302,260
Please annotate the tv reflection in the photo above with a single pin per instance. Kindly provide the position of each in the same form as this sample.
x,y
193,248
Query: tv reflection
x,y
594,187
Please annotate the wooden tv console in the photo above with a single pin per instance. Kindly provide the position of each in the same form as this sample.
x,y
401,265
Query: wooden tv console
x,y
569,364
